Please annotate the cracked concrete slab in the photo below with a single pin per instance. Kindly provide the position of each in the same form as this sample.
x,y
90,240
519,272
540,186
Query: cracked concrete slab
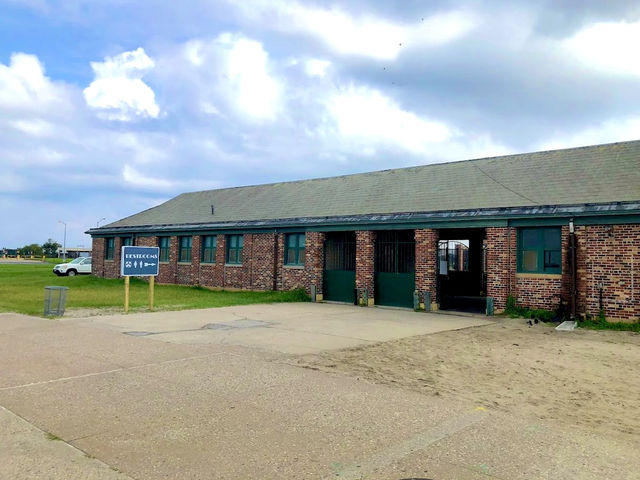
x,y
192,407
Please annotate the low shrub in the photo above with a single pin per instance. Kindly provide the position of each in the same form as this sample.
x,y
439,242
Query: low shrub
x,y
516,311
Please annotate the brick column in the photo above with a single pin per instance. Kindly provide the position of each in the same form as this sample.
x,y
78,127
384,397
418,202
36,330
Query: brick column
x,y
365,249
173,259
112,267
195,259
97,256
427,264
147,241
314,261
501,264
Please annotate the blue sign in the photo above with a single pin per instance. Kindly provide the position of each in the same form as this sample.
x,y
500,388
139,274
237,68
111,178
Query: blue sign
x,y
139,261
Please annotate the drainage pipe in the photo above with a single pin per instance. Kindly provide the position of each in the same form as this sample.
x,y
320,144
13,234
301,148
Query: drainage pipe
x,y
574,268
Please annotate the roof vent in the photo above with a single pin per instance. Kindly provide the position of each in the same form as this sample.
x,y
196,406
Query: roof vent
x,y
212,210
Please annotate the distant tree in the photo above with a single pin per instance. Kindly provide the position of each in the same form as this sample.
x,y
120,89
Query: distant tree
x,y
33,249
50,248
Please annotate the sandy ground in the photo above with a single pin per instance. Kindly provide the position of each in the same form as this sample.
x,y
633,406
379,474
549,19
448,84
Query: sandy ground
x,y
586,379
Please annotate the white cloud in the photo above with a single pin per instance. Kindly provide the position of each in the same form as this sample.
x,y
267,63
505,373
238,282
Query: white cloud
x,y
143,180
24,86
369,117
229,70
118,91
194,51
613,130
364,35
257,93
316,68
608,46
35,127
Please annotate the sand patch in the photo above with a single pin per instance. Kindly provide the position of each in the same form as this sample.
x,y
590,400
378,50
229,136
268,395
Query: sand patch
x,y
585,378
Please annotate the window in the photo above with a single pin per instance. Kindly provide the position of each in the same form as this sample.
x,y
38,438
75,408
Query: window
x,y
184,253
540,250
127,241
109,248
294,247
163,243
209,244
234,249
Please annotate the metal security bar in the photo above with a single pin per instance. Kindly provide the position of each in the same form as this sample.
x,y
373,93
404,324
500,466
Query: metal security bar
x,y
340,251
395,252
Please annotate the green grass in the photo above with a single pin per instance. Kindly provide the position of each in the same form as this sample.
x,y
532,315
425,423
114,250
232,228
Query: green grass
x,y
22,291
52,437
56,261
600,323
513,310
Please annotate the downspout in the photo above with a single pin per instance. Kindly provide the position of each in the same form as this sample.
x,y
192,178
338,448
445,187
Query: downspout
x,y
573,267
509,228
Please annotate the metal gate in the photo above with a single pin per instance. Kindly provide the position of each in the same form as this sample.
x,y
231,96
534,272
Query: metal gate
x,y
395,268
340,267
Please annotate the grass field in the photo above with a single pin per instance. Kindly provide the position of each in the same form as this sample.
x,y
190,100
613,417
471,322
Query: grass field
x,y
22,291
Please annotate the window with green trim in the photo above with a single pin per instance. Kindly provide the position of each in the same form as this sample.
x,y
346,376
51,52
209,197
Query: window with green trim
x,y
209,244
163,244
184,249
109,247
540,250
234,249
294,248
126,241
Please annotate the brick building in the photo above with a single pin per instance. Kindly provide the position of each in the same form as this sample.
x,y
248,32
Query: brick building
x,y
540,227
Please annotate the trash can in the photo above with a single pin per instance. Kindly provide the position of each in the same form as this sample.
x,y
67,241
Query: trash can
x,y
55,300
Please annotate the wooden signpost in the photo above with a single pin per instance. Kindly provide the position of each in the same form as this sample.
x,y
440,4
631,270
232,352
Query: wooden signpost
x,y
139,262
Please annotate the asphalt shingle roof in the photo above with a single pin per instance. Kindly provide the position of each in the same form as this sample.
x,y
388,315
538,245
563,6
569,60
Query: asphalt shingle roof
x,y
594,174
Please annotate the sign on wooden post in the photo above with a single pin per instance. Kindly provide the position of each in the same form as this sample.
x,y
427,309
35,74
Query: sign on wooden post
x,y
139,262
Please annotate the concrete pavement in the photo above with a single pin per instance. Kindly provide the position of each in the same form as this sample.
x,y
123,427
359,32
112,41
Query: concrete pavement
x,y
162,406
294,328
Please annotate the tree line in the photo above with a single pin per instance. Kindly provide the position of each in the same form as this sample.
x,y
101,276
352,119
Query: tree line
x,y
48,249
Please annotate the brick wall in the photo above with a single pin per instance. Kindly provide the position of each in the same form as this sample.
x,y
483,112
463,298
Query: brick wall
x,y
109,268
611,258
538,291
146,241
311,273
365,250
168,270
426,262
501,264
256,271
97,257
606,254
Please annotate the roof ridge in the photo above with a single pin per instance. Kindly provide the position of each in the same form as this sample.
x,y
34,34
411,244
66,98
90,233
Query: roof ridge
x,y
435,164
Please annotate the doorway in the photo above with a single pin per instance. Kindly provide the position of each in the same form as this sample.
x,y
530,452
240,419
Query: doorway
x,y
462,278
395,268
339,278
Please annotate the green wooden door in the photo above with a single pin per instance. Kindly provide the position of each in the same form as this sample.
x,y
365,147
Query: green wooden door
x,y
339,285
394,277
340,267
395,289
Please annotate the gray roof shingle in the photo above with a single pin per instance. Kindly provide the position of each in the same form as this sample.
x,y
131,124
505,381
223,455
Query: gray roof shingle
x,y
594,174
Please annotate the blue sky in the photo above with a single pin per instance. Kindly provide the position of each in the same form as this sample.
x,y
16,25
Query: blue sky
x,y
108,108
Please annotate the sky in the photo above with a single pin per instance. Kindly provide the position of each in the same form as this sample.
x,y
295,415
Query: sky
x,y
111,107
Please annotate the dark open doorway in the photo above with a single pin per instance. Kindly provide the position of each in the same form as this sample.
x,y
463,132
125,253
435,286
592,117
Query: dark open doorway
x,y
462,279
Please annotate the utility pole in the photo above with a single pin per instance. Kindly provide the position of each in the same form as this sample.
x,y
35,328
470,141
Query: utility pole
x,y
64,241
